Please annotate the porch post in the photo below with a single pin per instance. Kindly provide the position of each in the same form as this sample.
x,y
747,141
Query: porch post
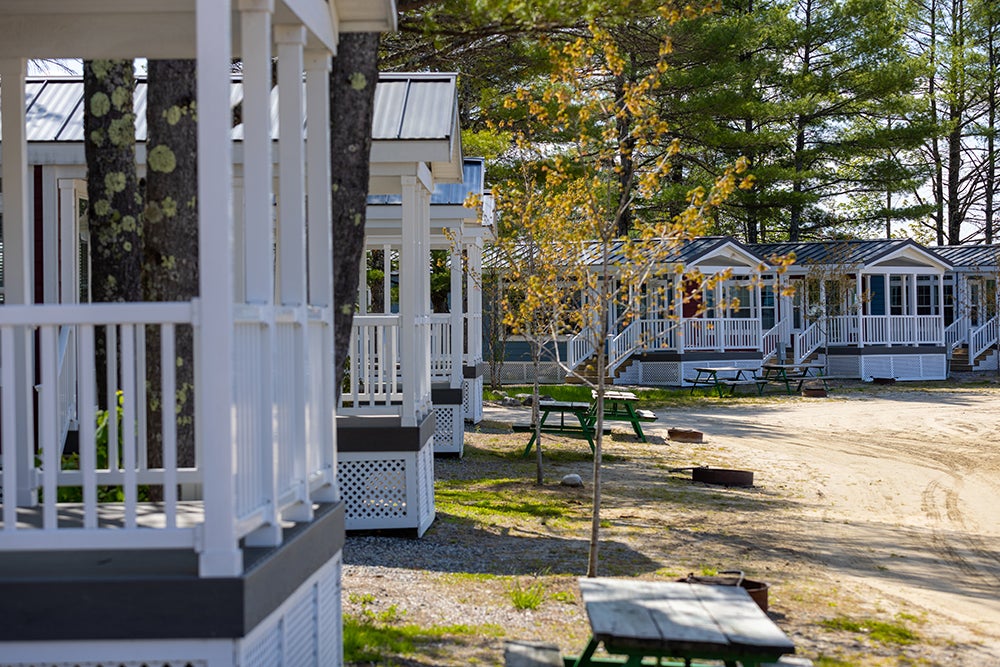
x,y
320,249
457,311
290,40
255,18
679,310
758,311
19,251
387,279
474,298
940,305
291,165
859,288
220,553
911,329
409,294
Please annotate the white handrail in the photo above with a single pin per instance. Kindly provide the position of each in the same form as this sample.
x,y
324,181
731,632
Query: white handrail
x,y
579,348
621,347
779,333
808,341
954,335
982,338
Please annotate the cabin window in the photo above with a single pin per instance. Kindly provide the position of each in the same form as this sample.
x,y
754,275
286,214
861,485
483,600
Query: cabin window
x,y
740,297
949,300
768,317
927,295
897,295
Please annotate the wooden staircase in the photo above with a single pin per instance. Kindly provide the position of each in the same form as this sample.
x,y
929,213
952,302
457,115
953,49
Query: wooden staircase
x,y
960,362
587,373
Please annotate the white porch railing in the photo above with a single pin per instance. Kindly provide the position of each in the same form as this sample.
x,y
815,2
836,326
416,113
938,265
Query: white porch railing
x,y
901,330
621,346
954,335
579,348
282,427
775,336
441,351
473,338
658,334
721,333
374,379
808,341
983,338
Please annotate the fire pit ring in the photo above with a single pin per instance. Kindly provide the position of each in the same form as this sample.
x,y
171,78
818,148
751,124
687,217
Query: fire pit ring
x,y
756,589
720,476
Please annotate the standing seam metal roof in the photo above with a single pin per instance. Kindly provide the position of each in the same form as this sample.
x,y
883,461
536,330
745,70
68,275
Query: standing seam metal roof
x,y
421,106
860,252
970,256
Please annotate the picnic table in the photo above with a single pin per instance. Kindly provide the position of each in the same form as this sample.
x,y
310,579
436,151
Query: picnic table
x,y
645,619
577,409
732,377
620,406
791,374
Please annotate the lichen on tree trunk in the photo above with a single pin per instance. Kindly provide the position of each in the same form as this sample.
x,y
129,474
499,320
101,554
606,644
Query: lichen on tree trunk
x,y
170,261
352,100
115,203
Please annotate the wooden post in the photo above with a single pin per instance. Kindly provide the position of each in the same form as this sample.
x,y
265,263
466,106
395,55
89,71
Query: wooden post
x,y
19,251
457,311
220,554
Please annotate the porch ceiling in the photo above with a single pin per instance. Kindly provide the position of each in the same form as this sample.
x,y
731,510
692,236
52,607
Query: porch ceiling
x,y
161,28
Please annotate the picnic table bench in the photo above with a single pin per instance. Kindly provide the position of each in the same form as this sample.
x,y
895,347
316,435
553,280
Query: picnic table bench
x,y
620,406
577,409
645,619
734,377
791,374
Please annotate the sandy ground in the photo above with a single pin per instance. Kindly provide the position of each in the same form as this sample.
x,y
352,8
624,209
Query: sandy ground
x,y
882,503
906,489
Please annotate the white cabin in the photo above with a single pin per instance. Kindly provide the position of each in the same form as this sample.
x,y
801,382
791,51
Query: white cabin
x,y
239,564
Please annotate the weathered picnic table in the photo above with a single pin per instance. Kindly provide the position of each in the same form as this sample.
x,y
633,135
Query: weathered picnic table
x,y
790,374
620,406
645,619
578,409
732,377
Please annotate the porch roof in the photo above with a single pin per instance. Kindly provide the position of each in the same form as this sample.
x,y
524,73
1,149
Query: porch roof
x,y
719,250
971,257
415,118
861,253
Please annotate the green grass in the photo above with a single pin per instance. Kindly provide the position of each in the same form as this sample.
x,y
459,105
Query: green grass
x,y
649,398
488,499
526,597
372,636
881,631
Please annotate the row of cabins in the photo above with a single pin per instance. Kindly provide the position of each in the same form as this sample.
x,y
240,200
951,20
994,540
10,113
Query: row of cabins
x,y
234,557
867,308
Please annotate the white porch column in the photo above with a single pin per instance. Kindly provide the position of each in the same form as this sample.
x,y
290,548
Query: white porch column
x,y
679,311
259,239
911,321
940,304
410,297
387,279
859,288
474,300
220,554
19,248
758,311
320,233
255,21
457,312
424,405
322,423
291,41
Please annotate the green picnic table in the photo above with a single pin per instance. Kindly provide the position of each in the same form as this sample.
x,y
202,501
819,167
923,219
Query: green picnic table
x,y
578,409
620,406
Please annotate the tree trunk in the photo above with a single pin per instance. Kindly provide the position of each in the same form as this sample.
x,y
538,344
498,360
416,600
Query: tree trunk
x,y
170,219
626,151
112,188
352,100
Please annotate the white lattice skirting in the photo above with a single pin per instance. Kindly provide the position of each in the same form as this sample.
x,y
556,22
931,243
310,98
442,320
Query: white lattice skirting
x,y
305,630
388,490
449,430
472,400
523,372
899,366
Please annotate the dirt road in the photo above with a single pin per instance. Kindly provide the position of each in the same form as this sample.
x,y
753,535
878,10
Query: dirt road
x,y
899,491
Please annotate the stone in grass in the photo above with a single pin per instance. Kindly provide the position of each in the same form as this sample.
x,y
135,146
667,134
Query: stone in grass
x,y
509,402
572,479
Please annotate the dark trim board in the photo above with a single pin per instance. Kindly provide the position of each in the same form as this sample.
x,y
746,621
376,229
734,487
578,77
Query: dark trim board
x,y
382,434
157,594
445,395
666,355
884,349
474,371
